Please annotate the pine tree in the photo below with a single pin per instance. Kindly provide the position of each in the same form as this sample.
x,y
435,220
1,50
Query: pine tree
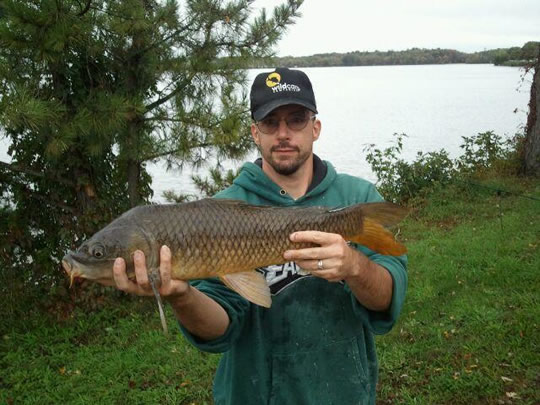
x,y
92,91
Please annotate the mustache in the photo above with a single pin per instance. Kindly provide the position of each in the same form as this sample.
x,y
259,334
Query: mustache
x,y
284,145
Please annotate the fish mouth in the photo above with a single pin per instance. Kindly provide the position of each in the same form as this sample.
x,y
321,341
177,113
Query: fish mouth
x,y
78,267
71,269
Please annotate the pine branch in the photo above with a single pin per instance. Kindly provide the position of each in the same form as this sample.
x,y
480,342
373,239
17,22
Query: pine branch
x,y
39,197
163,100
120,16
183,120
35,173
172,152
85,9
167,38
159,119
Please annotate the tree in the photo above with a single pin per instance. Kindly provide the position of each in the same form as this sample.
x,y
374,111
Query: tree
x,y
92,91
530,50
531,145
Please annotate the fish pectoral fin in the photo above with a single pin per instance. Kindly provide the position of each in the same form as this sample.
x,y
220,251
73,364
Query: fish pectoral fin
x,y
378,239
251,285
155,281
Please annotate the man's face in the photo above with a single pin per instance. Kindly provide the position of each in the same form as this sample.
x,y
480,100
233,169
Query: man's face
x,y
286,149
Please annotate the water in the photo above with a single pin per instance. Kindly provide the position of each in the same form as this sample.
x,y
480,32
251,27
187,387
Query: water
x,y
435,105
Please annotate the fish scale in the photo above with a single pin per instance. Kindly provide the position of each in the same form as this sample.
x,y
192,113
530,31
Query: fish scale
x,y
227,239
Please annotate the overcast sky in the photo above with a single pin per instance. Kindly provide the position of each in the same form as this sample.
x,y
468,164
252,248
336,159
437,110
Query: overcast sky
x,y
368,25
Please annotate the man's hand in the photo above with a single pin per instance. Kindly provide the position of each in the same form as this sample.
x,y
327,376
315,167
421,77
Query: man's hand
x,y
370,283
141,286
339,261
199,314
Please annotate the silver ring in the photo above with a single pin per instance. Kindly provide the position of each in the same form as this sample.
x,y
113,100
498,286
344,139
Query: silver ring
x,y
320,265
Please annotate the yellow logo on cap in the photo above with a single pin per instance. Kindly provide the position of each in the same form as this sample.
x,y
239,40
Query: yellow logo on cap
x,y
273,79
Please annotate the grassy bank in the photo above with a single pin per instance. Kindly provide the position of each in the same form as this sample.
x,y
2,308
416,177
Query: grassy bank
x,y
114,356
469,329
468,333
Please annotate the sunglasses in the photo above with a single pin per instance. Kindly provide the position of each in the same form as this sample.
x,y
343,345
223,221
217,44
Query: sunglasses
x,y
296,121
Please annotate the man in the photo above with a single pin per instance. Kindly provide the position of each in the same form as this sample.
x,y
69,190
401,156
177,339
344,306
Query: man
x,y
315,345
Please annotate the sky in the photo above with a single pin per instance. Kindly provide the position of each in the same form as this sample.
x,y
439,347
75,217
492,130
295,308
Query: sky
x,y
368,25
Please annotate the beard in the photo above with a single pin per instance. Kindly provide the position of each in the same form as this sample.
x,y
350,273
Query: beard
x,y
288,166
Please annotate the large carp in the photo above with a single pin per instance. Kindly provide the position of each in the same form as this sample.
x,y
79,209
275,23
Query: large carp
x,y
227,239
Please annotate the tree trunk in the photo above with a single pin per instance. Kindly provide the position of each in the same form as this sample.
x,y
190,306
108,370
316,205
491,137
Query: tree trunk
x,y
531,147
133,167
133,171
136,86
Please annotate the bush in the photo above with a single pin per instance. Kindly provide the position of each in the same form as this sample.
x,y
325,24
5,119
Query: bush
x,y
399,181
482,151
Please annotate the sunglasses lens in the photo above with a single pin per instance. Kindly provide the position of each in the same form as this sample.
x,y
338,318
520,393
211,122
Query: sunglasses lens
x,y
295,122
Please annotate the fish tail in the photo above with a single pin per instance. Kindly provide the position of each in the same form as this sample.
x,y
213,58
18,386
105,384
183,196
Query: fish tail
x,y
375,217
379,239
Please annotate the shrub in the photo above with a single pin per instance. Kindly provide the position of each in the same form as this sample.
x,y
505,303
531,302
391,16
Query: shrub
x,y
399,180
482,151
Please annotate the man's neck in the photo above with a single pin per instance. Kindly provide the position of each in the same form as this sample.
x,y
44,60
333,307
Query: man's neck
x,y
296,184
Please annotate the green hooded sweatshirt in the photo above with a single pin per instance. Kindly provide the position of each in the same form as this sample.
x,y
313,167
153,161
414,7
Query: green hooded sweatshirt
x,y
315,345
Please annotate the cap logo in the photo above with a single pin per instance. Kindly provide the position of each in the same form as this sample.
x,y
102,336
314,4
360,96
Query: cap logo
x,y
273,79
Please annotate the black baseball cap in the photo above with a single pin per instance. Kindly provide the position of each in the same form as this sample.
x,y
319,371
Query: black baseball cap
x,y
283,86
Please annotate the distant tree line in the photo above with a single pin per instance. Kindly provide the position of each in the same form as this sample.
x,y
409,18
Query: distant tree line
x,y
514,56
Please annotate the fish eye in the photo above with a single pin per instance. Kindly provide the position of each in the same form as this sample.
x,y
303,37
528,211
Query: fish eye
x,y
98,251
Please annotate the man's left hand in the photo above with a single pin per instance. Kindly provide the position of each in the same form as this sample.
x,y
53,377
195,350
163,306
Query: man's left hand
x,y
339,261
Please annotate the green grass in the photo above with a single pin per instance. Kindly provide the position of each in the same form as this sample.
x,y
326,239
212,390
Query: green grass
x,y
468,333
102,358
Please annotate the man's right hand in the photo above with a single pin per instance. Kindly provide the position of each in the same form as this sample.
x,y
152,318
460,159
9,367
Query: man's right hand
x,y
199,314
169,289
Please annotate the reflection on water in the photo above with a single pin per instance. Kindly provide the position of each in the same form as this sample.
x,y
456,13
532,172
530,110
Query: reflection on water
x,y
435,105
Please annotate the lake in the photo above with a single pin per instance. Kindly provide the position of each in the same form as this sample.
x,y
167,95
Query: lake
x,y
435,105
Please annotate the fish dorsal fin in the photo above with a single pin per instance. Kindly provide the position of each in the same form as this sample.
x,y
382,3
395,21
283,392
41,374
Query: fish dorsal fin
x,y
251,285
379,239
225,201
385,213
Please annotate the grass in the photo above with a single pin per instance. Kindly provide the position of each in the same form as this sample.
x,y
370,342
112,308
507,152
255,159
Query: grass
x,y
468,333
108,357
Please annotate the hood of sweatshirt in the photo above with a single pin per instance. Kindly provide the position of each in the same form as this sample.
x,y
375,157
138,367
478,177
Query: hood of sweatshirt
x,y
254,180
